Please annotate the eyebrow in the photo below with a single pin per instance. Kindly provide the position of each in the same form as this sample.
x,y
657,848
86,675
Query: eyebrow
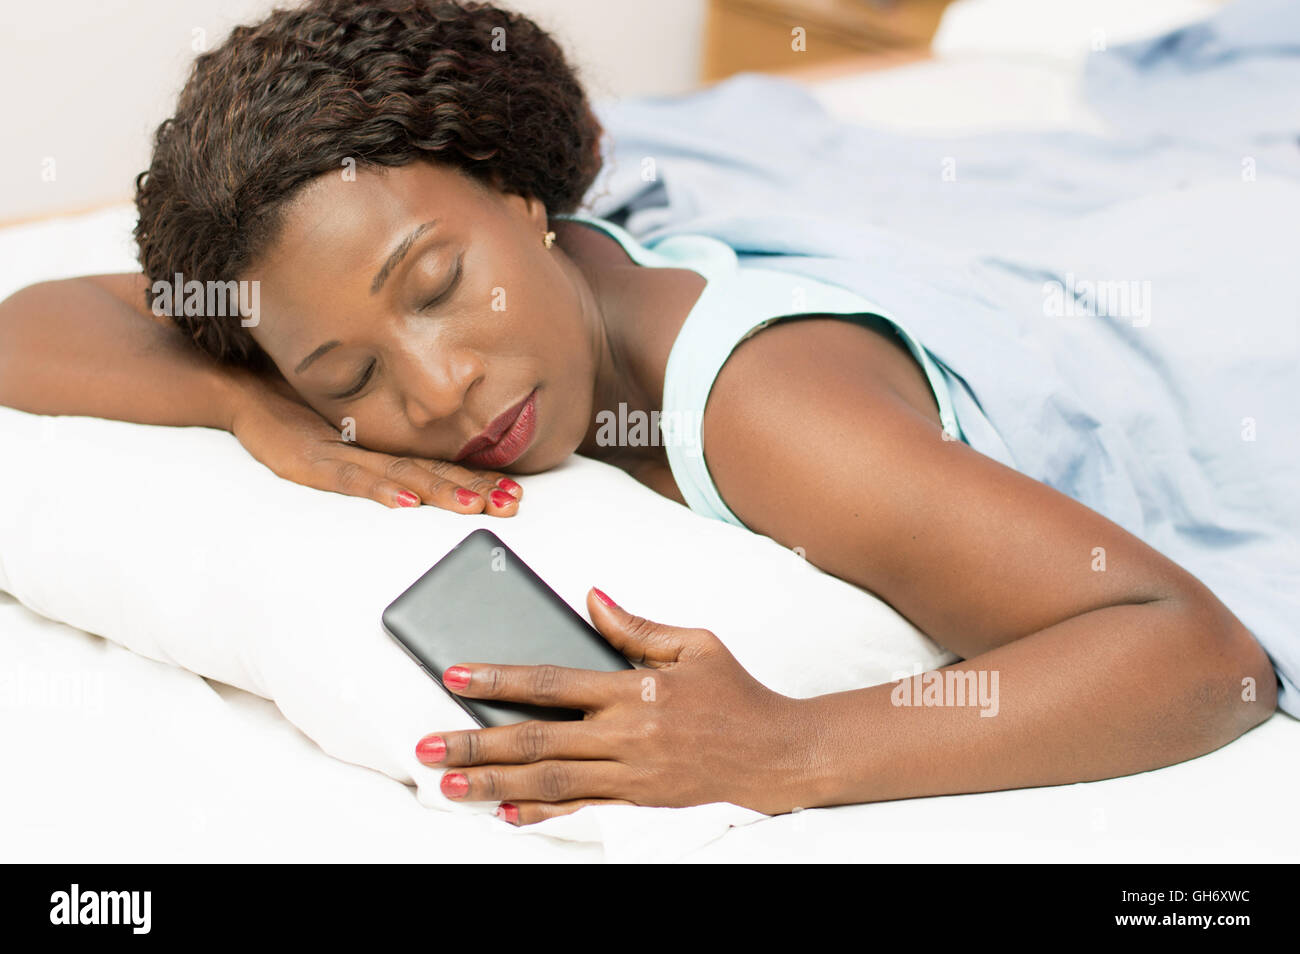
x,y
395,257
314,355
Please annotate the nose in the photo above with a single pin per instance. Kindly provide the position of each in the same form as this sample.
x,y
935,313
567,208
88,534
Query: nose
x,y
420,411
434,385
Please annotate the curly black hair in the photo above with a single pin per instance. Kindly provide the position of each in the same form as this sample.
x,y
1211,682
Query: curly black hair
x,y
382,82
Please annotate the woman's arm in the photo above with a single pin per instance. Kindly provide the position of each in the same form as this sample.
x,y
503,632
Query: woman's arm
x,y
1109,692
1079,669
1109,658
90,346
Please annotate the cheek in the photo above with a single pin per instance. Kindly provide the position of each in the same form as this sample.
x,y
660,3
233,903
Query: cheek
x,y
379,426
574,384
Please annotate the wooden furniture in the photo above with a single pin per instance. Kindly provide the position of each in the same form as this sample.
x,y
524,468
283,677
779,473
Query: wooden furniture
x,y
797,35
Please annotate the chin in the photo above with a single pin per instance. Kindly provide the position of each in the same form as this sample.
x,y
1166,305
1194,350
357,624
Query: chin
x,y
544,455
533,463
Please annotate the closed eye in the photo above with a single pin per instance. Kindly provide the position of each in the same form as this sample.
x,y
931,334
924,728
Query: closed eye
x,y
446,293
427,306
361,383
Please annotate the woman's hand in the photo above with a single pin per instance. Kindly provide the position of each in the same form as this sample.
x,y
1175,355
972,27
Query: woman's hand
x,y
693,728
295,442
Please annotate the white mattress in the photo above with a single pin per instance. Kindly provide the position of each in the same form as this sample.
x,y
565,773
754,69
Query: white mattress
x,y
115,757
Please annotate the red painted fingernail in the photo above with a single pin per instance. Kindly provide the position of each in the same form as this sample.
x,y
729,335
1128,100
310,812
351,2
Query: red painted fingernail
x,y
509,486
454,785
407,499
431,749
603,598
457,677
508,812
467,497
500,498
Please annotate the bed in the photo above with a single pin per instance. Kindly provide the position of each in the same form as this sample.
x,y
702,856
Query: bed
x,y
115,756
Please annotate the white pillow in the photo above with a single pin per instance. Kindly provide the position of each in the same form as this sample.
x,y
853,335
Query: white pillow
x,y
176,544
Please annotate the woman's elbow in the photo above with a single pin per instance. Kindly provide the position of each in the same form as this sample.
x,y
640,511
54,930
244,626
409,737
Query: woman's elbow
x,y
1239,690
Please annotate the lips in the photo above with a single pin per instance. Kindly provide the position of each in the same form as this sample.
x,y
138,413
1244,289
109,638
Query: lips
x,y
489,448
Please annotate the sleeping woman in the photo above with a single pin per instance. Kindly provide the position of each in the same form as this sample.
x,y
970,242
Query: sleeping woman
x,y
434,317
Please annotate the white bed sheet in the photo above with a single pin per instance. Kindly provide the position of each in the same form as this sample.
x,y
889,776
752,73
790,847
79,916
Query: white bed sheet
x,y
114,757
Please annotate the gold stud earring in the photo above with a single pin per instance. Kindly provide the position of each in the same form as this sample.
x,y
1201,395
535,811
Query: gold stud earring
x,y
548,239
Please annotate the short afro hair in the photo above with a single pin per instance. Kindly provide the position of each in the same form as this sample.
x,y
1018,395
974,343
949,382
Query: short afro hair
x,y
382,82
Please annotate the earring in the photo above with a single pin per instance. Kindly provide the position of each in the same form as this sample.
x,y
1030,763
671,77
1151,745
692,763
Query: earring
x,y
548,239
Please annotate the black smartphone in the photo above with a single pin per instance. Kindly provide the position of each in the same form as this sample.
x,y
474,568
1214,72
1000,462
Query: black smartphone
x,y
482,604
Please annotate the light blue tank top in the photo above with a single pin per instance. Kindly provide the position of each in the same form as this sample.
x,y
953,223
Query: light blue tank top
x,y
739,301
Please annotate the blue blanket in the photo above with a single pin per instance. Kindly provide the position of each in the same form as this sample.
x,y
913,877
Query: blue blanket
x,y
1118,305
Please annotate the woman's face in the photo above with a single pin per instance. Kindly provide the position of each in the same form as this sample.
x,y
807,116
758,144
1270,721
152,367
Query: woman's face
x,y
422,304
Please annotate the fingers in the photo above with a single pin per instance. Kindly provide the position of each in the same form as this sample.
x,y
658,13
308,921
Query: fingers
x,y
499,494
449,487
480,481
550,781
543,685
410,482
353,478
532,741
529,813
642,641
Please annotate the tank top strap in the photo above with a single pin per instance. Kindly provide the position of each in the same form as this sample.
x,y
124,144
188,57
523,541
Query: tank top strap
x,y
701,254
737,302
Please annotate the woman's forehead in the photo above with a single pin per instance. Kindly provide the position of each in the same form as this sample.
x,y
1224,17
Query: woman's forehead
x,y
374,203
338,232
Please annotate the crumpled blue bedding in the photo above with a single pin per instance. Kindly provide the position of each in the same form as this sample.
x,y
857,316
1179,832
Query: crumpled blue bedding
x,y
1123,307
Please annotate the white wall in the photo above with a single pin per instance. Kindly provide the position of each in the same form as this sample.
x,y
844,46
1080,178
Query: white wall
x,y
85,82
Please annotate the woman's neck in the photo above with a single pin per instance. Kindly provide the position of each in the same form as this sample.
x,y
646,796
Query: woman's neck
x,y
638,313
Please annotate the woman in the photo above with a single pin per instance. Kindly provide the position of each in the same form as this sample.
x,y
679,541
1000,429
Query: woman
x,y
396,177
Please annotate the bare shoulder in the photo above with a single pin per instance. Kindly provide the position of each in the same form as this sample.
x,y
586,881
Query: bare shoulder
x,y
814,358
865,348
130,288
811,441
